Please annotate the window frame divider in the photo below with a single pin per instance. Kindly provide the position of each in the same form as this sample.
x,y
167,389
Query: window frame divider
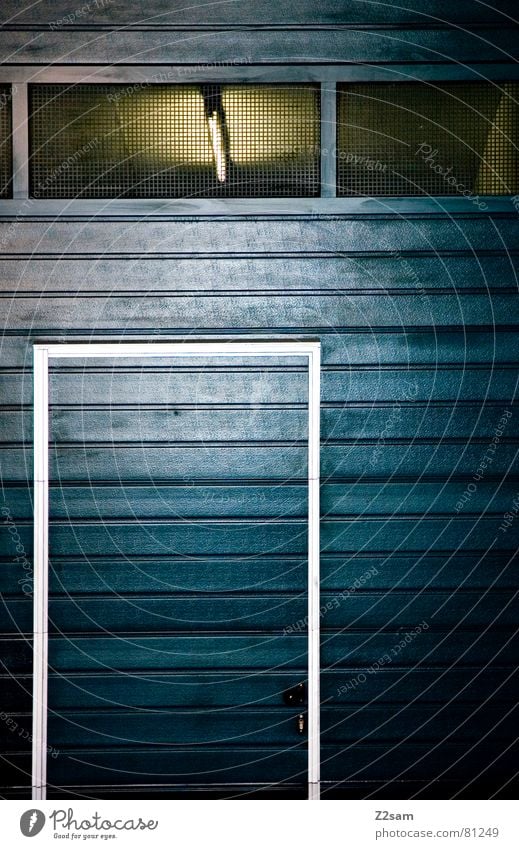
x,y
328,136
20,140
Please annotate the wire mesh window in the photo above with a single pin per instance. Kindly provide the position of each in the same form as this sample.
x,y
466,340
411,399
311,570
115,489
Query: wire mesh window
x,y
419,139
6,145
108,141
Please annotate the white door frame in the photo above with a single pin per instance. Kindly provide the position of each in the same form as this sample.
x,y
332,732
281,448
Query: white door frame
x,y
42,355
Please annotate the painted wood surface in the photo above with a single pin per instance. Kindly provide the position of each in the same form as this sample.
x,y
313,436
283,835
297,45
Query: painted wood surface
x,y
165,13
178,534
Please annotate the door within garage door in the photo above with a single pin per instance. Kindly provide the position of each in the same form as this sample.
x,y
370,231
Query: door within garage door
x,y
180,486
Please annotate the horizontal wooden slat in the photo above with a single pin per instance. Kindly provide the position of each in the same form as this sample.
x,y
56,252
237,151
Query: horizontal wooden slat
x,y
488,787
172,209
390,684
303,312
286,386
141,502
264,236
285,47
278,463
252,726
440,610
106,277
385,571
330,790
281,791
359,420
427,646
393,685
184,537
238,727
18,791
393,570
164,13
448,760
106,654
416,534
153,690
210,652
381,761
367,761
387,685
161,615
217,765
374,346
267,536
228,614
147,766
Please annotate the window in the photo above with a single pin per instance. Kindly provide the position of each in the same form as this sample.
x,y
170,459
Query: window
x,y
456,138
143,141
6,156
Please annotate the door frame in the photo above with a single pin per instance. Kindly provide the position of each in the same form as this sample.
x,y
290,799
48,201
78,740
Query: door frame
x,y
42,353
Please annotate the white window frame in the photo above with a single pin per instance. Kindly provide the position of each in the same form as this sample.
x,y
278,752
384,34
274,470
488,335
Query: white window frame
x,y
42,355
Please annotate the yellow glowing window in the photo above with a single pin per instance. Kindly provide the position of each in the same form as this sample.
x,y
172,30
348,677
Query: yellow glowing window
x,y
459,138
141,140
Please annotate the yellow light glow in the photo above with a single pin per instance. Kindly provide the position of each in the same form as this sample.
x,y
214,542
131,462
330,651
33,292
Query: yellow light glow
x,y
269,124
166,126
498,172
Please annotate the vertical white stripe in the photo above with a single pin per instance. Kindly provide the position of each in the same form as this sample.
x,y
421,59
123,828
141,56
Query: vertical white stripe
x,y
40,578
314,398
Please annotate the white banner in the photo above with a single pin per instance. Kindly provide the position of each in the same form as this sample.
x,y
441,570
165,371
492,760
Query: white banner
x,y
259,824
